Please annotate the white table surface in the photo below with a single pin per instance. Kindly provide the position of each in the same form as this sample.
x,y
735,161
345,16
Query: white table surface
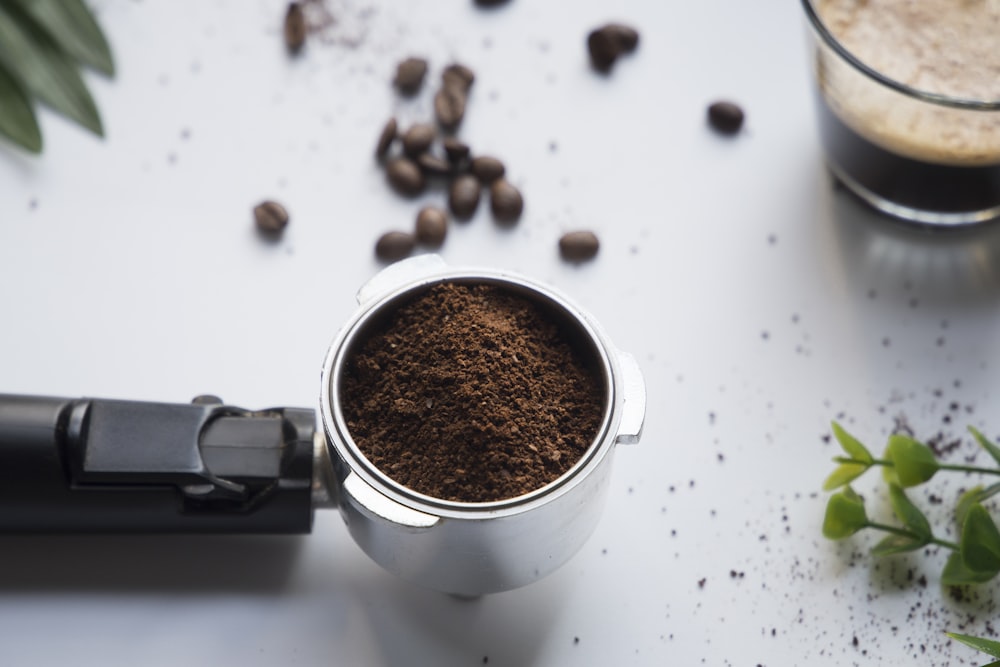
x,y
760,303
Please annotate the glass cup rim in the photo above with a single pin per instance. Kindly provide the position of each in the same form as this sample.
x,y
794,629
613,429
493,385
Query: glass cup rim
x,y
932,98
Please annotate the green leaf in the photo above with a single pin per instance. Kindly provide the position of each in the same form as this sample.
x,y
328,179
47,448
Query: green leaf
x,y
17,116
992,449
955,573
980,543
845,515
31,55
851,445
73,28
895,544
844,474
913,461
965,501
909,514
987,646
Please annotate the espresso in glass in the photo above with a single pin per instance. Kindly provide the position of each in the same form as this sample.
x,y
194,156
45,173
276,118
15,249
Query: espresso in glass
x,y
908,95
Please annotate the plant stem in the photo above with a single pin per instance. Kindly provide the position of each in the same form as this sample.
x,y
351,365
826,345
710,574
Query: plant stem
x,y
941,466
908,533
961,468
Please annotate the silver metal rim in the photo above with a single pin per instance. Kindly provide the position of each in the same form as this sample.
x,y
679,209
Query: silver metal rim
x,y
338,436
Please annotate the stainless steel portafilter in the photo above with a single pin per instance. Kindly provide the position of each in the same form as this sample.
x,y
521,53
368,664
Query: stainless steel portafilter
x,y
100,465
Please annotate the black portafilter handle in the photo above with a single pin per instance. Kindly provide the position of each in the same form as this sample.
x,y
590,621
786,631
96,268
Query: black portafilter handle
x,y
98,465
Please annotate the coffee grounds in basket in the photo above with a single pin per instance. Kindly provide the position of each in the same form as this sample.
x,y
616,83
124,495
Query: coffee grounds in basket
x,y
471,393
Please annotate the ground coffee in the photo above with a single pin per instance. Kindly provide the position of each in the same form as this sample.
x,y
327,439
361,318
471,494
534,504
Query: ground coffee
x,y
471,393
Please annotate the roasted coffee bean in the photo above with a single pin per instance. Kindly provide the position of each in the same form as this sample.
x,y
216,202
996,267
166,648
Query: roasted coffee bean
x,y
625,36
386,138
487,169
610,41
455,149
449,107
603,48
394,245
458,76
418,139
725,117
271,217
463,197
295,27
490,3
579,246
432,226
410,75
432,165
505,202
405,176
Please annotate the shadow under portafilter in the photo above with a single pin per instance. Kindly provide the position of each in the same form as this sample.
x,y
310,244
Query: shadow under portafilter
x,y
147,563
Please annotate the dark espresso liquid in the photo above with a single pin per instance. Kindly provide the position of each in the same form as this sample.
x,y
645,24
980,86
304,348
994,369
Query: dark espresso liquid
x,y
915,184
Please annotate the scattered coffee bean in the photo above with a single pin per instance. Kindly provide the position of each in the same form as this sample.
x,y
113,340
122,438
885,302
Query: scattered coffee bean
x,y
627,37
579,246
405,176
386,138
271,217
725,117
449,107
455,150
394,245
295,28
603,49
608,42
487,169
432,226
418,139
505,202
458,76
490,3
410,75
463,197
432,165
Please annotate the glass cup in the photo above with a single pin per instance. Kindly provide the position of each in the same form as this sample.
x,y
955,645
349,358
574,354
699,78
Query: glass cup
x,y
893,133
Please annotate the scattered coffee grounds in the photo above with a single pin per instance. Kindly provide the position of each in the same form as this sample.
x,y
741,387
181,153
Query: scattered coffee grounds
x,y
410,75
487,169
295,28
608,42
725,117
505,202
385,139
405,176
579,246
431,227
471,394
393,246
463,196
418,139
270,217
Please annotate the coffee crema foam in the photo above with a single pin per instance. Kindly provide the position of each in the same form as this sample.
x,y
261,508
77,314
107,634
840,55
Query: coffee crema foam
x,y
943,47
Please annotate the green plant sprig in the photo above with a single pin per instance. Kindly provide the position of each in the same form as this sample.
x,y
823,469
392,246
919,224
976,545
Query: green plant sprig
x,y
43,45
906,463
987,646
